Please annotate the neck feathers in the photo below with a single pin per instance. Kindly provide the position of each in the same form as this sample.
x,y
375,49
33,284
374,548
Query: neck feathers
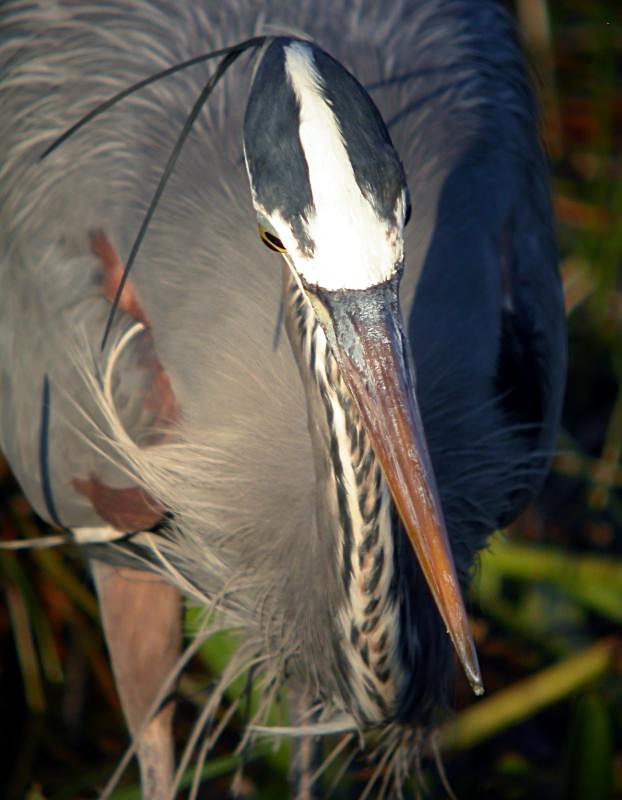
x,y
355,508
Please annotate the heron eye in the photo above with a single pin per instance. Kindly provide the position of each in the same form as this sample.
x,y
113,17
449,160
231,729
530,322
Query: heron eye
x,y
271,241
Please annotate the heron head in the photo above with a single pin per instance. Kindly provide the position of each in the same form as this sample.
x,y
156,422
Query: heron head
x,y
330,194
327,184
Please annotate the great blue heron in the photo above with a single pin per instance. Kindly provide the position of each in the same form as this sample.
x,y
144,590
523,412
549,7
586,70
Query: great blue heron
x,y
315,496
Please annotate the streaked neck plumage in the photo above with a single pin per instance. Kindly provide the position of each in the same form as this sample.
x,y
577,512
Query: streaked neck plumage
x,y
354,505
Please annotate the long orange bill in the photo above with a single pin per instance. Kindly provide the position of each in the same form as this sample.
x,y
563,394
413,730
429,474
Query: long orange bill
x,y
365,332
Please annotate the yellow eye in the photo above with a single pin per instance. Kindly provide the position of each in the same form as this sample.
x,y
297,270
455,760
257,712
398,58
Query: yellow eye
x,y
270,240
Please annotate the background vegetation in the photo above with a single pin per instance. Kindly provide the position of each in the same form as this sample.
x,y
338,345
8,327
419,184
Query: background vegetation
x,y
547,601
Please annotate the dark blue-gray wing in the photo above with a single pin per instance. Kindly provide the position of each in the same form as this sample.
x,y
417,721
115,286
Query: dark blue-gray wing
x,y
531,363
486,325
488,337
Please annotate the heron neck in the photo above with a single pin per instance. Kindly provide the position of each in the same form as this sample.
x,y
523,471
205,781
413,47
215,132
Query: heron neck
x,y
354,506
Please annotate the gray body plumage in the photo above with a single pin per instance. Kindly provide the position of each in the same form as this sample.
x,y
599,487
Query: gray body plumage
x,y
238,470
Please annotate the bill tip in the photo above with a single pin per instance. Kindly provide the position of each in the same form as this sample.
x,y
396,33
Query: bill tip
x,y
478,687
472,673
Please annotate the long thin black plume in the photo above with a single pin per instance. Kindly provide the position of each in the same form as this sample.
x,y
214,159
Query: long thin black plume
x,y
255,41
233,53
44,468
